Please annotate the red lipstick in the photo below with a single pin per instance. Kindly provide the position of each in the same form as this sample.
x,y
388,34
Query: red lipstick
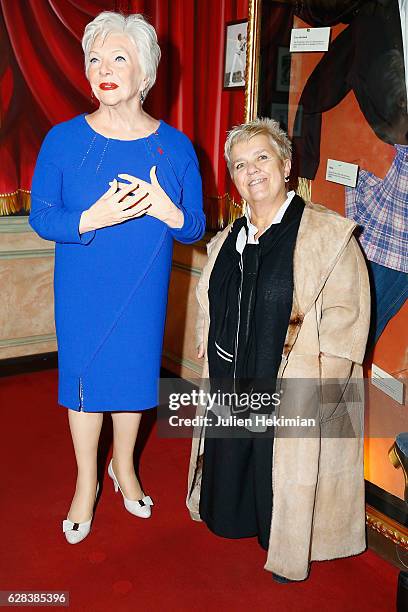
x,y
108,86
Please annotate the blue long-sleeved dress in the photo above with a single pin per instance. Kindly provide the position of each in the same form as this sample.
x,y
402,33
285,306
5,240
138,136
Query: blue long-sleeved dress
x,y
111,284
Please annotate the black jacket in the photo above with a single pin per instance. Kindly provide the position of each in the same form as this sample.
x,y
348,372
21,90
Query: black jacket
x,y
367,58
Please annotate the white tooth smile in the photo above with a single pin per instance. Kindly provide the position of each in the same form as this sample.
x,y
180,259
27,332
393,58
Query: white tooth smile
x,y
256,181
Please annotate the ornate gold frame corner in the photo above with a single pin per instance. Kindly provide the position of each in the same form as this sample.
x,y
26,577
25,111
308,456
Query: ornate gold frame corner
x,y
252,59
387,527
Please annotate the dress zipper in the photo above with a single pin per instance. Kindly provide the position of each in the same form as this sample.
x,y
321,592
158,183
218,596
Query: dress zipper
x,y
81,396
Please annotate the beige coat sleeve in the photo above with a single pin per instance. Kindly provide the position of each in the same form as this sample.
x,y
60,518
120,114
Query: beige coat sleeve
x,y
199,327
345,316
202,285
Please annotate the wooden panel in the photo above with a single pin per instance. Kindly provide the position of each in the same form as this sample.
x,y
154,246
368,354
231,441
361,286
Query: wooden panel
x,y
26,280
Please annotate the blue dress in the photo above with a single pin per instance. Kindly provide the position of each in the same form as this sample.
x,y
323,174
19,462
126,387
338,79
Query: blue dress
x,y
110,285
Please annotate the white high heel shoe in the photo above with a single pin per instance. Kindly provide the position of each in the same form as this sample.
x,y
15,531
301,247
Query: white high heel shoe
x,y
140,507
76,532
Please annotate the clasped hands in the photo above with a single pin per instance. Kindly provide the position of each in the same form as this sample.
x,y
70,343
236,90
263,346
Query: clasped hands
x,y
124,201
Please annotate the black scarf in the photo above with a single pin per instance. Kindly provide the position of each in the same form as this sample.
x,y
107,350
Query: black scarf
x,y
250,300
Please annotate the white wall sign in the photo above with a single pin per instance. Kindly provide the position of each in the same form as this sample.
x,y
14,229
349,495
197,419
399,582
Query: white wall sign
x,y
387,383
309,39
341,172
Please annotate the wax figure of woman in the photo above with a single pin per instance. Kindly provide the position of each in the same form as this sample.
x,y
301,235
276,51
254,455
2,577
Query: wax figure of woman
x,y
113,189
285,296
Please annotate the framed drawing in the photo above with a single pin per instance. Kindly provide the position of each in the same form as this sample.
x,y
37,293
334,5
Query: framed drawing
x,y
282,113
235,54
283,69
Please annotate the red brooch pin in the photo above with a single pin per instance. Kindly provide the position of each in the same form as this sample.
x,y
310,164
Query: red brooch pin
x,y
160,150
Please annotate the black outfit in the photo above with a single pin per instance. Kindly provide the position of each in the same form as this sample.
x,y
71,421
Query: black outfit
x,y
367,58
253,307
327,12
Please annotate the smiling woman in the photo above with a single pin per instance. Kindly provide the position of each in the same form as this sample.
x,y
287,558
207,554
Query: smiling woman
x,y
113,189
259,160
283,297
120,67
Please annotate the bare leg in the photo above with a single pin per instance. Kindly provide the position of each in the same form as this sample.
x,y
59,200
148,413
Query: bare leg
x,y
85,429
234,64
125,429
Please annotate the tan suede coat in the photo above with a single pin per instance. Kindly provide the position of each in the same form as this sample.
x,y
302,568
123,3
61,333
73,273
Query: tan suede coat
x,y
317,479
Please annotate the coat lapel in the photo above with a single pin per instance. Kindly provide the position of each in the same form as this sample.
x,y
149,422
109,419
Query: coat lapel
x,y
309,274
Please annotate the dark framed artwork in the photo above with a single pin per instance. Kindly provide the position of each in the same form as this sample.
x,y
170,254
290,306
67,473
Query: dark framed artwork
x,y
283,69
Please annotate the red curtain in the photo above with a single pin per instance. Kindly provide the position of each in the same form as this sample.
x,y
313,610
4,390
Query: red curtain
x,y
42,81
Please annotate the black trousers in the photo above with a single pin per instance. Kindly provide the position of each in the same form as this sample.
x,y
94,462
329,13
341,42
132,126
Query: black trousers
x,y
236,487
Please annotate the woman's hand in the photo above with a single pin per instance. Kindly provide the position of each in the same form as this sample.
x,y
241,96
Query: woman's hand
x,y
113,207
200,350
158,203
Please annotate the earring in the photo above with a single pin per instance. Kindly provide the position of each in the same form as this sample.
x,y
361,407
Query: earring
x,y
286,179
142,96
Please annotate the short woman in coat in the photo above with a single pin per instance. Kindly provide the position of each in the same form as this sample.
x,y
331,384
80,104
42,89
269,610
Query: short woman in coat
x,y
113,189
301,491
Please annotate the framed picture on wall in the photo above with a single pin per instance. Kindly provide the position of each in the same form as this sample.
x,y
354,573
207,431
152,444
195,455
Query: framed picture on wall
x,y
280,112
283,69
235,54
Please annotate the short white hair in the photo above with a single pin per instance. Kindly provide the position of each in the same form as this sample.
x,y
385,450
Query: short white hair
x,y
137,28
262,125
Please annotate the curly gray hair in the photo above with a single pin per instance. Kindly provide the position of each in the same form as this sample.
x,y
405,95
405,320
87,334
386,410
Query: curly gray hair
x,y
137,28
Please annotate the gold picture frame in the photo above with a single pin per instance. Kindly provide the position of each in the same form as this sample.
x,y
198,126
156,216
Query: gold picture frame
x,y
252,59
304,188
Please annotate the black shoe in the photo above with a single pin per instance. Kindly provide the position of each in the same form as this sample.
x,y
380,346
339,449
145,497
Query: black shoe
x,y
281,579
398,455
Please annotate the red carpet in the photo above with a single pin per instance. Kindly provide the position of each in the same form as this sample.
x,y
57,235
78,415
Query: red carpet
x,y
167,563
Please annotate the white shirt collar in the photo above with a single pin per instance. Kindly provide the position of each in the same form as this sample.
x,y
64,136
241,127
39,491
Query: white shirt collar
x,y
252,229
